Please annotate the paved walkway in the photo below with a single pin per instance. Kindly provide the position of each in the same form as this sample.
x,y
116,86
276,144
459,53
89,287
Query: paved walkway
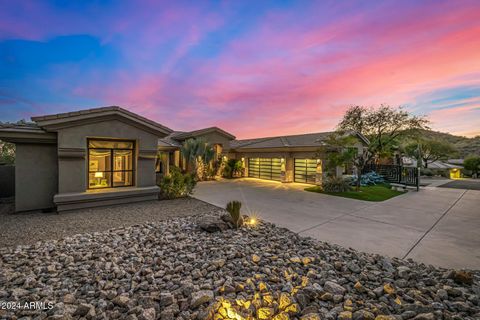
x,y
438,226
471,184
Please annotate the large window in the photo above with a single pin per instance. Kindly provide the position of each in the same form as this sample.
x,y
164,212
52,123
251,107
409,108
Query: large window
x,y
110,163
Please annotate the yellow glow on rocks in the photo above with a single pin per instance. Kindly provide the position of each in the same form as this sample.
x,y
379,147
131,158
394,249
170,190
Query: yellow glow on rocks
x,y
262,303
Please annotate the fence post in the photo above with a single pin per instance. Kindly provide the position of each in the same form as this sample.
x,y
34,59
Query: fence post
x,y
418,178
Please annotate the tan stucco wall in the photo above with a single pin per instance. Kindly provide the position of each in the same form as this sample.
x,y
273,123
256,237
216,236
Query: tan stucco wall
x,y
72,148
36,176
215,138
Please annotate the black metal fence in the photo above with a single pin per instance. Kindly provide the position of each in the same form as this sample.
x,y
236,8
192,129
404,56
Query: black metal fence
x,y
409,176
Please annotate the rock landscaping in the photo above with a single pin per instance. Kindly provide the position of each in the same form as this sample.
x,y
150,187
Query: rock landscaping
x,y
174,269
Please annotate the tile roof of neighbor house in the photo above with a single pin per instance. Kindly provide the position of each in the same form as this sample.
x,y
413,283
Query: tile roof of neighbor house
x,y
99,112
298,140
442,165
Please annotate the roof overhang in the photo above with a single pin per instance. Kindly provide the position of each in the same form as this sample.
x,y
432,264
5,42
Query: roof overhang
x,y
78,118
22,135
201,132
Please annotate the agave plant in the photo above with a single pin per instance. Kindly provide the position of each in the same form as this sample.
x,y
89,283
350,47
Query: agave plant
x,y
233,207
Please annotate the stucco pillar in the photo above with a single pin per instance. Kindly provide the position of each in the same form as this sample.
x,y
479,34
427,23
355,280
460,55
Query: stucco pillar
x,y
288,165
167,164
176,158
319,173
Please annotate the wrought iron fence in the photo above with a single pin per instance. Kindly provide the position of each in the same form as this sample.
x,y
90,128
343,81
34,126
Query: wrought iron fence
x,y
395,174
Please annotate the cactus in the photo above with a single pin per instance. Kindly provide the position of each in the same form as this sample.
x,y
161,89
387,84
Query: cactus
x,y
233,207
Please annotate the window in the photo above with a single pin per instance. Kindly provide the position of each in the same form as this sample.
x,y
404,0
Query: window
x,y
110,163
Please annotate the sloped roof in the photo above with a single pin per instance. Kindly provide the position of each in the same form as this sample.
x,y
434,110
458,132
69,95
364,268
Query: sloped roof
x,y
175,138
299,140
195,133
59,119
442,165
169,141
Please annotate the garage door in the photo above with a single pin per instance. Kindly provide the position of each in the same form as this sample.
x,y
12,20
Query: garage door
x,y
305,170
265,168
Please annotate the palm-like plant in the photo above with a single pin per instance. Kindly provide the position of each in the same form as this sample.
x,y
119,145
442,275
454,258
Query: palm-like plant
x,y
195,151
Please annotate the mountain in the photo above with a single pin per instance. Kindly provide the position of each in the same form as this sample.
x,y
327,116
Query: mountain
x,y
465,146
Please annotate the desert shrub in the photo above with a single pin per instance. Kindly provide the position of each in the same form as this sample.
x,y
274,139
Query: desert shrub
x,y
233,207
426,172
177,184
232,168
335,184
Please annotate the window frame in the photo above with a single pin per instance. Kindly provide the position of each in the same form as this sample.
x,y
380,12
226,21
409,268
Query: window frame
x,y
112,162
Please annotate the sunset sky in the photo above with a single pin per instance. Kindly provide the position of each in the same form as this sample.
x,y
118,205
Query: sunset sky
x,y
254,68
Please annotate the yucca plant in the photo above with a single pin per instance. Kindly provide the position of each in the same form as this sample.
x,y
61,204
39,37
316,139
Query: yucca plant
x,y
233,207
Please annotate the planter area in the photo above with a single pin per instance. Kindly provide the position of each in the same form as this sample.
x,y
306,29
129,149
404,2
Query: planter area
x,y
174,270
380,192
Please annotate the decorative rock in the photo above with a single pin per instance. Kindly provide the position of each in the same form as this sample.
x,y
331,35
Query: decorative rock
x,y
148,314
69,298
462,277
344,315
255,258
85,310
166,299
311,316
174,270
213,225
363,315
425,316
388,289
121,301
201,297
334,288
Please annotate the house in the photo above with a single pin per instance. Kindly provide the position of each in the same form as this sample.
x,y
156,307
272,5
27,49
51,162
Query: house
x,y
109,155
451,168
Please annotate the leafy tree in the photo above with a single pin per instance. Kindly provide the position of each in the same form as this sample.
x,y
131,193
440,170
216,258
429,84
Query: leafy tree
x,y
429,150
7,153
472,163
383,126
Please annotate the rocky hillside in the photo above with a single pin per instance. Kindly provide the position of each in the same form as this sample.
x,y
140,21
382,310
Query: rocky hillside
x,y
465,146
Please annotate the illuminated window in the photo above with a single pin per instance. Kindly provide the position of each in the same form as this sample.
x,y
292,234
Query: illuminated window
x,y
110,163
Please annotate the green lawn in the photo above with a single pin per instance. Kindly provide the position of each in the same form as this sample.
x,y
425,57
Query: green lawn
x,y
378,192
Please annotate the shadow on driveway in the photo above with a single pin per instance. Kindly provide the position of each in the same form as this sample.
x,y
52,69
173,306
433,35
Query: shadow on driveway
x,y
462,184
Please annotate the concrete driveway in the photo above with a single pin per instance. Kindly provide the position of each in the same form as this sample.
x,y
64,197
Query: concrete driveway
x,y
438,226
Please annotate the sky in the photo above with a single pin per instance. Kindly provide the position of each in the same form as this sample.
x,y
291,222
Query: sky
x,y
253,68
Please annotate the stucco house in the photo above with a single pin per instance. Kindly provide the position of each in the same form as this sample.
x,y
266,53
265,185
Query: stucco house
x,y
109,155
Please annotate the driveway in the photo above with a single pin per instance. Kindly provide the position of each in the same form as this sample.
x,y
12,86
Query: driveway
x,y
470,184
438,226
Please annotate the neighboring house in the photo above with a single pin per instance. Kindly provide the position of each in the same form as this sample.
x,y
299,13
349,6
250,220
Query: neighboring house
x,y
453,171
451,168
109,156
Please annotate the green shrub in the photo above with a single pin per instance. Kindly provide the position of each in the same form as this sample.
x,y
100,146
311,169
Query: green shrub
x,y
335,184
233,207
232,168
426,172
177,184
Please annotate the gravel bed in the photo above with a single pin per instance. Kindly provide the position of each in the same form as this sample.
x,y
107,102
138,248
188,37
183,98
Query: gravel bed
x,y
174,270
28,228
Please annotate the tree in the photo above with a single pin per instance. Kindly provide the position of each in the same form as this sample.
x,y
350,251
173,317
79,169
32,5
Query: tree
x,y
195,152
429,150
383,126
472,163
7,153
343,148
